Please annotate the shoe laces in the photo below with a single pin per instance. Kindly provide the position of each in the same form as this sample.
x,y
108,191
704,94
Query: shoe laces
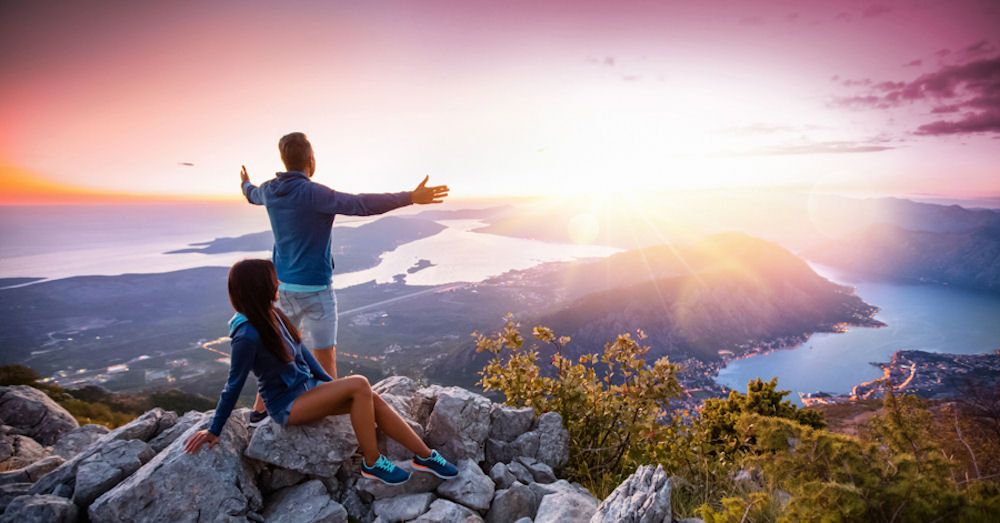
x,y
384,464
436,458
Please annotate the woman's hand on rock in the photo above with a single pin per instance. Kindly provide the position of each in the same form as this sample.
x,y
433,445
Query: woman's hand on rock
x,y
198,439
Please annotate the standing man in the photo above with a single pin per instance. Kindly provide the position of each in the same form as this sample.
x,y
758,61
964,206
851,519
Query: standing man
x,y
301,214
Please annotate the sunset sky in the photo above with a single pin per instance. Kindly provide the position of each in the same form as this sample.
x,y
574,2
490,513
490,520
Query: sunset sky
x,y
141,99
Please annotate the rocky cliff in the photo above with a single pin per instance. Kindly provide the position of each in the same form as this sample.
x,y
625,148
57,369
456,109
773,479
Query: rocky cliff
x,y
509,462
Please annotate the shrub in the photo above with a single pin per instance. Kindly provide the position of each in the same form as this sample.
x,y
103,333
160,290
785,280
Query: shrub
x,y
610,403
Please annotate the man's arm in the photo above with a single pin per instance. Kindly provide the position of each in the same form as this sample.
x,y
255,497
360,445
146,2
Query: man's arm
x,y
333,202
250,191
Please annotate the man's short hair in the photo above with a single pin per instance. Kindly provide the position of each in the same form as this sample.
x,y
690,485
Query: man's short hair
x,y
295,151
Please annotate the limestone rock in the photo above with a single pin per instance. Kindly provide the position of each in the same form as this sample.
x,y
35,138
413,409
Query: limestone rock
x,y
471,487
43,467
18,451
402,508
355,506
318,448
34,414
166,437
510,504
565,502
419,482
507,423
402,386
108,467
213,484
642,498
502,477
40,509
304,503
10,491
541,472
553,442
422,403
520,472
75,441
277,478
444,511
144,427
459,423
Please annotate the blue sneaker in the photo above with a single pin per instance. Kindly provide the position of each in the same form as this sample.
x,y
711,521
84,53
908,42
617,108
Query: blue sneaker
x,y
384,471
436,465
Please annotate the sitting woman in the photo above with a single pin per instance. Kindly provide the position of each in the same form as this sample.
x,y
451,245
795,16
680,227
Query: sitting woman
x,y
295,388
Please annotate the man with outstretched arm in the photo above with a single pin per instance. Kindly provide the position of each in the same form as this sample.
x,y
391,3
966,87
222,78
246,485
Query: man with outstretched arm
x,y
301,214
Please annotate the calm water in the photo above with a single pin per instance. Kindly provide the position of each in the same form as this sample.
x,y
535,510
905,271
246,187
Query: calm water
x,y
61,241
927,317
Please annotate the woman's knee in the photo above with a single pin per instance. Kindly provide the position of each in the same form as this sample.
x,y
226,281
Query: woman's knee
x,y
360,384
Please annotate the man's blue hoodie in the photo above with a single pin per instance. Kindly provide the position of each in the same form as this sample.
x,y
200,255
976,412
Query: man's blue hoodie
x,y
301,214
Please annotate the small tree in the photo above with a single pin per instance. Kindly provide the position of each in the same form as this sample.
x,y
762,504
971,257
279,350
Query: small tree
x,y
610,403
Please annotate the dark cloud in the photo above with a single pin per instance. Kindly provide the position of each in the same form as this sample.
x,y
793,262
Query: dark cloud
x,y
875,10
914,63
831,147
984,122
971,88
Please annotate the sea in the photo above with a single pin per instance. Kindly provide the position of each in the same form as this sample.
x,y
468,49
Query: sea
x,y
52,242
920,316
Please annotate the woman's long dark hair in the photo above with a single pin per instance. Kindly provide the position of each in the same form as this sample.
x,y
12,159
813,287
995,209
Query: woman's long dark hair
x,y
252,287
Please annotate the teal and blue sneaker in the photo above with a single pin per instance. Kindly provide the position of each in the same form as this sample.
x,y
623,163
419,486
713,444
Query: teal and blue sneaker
x,y
384,471
436,465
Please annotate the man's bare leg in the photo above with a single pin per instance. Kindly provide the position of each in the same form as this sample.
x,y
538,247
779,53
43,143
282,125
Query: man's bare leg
x,y
258,404
327,358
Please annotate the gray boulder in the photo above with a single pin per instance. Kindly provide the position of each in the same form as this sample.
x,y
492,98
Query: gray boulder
x,y
642,498
402,508
507,423
42,467
520,472
18,451
40,509
541,472
144,427
401,386
31,473
444,511
213,485
459,424
565,502
422,403
9,491
75,441
304,503
355,506
502,478
109,466
553,440
34,414
277,478
419,482
471,487
518,501
166,437
318,448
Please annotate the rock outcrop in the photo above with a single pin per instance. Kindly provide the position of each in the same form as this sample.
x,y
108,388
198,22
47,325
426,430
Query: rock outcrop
x,y
642,498
140,472
34,414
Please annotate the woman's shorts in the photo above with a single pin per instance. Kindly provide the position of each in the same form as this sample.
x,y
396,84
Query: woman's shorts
x,y
281,415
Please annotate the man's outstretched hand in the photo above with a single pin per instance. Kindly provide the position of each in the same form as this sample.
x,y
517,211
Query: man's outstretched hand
x,y
244,177
423,194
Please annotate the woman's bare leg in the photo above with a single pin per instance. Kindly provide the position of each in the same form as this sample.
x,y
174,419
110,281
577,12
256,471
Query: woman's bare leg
x,y
397,428
352,395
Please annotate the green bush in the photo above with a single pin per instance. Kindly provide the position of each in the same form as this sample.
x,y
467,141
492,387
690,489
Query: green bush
x,y
610,403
